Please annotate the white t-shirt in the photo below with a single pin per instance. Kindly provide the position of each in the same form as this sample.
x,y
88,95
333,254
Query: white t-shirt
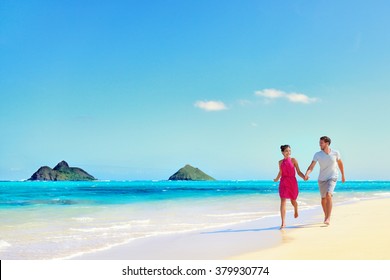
x,y
328,164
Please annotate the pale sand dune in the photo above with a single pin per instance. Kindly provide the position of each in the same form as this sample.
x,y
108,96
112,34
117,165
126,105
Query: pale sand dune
x,y
358,231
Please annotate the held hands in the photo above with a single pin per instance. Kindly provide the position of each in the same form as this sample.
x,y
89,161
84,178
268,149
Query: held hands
x,y
306,177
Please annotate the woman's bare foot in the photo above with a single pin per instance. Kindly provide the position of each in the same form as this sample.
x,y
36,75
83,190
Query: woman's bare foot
x,y
282,226
327,221
296,212
295,204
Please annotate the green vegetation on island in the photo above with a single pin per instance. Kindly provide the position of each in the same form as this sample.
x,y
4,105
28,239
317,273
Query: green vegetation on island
x,y
189,173
62,172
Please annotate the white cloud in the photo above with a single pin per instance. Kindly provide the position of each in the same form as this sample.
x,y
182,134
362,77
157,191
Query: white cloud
x,y
292,97
300,98
211,105
270,93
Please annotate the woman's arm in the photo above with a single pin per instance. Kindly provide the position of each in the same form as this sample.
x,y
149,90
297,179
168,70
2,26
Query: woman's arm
x,y
279,174
295,162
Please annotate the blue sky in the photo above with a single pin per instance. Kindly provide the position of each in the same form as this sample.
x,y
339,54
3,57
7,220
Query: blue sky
x,y
137,89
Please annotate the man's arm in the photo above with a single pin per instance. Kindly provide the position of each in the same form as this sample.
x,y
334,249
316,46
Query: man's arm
x,y
341,167
309,170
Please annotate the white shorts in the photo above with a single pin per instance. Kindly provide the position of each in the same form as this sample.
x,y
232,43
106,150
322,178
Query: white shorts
x,y
327,186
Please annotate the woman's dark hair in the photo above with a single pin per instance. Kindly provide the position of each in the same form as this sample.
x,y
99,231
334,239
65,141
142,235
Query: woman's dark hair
x,y
326,139
283,147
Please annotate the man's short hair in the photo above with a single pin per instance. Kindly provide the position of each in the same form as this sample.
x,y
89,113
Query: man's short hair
x,y
326,139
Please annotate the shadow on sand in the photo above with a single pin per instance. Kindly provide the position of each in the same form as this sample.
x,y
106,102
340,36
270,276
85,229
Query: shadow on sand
x,y
315,225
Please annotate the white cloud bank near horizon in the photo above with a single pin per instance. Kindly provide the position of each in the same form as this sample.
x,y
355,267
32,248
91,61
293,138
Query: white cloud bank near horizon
x,y
211,106
294,97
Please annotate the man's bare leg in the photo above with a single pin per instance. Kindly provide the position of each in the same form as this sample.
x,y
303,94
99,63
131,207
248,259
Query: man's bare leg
x,y
324,207
329,206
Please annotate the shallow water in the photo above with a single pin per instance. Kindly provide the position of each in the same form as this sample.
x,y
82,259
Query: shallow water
x,y
49,220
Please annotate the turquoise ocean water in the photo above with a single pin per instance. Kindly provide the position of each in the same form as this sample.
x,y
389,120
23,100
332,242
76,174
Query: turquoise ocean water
x,y
56,220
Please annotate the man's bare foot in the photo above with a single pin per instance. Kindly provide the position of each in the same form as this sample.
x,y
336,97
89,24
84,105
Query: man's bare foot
x,y
327,222
282,226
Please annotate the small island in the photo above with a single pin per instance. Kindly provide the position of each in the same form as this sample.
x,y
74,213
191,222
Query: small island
x,y
189,173
61,172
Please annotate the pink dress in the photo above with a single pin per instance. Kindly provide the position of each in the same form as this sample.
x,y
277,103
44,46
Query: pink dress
x,y
288,187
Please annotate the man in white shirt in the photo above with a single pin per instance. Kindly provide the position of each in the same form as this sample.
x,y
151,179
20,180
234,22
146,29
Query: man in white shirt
x,y
330,162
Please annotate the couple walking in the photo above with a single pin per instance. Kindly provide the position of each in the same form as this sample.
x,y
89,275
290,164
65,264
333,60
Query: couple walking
x,y
329,161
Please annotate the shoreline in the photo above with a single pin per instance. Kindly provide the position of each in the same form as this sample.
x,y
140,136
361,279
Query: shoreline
x,y
207,244
304,238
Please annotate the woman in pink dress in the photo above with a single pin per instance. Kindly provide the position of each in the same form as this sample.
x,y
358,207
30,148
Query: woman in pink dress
x,y
288,186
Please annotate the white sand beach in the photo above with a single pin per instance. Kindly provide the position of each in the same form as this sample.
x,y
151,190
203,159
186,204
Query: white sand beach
x,y
358,231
